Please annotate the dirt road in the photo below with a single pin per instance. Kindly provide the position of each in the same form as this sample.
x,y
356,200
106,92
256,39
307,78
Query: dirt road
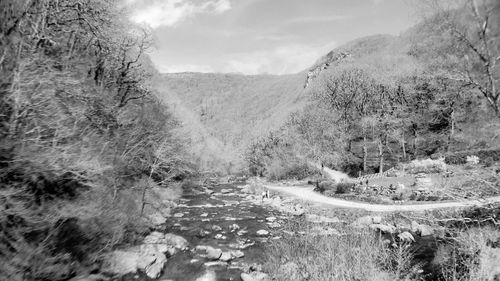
x,y
307,194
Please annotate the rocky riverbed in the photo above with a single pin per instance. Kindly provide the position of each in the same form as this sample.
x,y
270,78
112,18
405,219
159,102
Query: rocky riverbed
x,y
216,233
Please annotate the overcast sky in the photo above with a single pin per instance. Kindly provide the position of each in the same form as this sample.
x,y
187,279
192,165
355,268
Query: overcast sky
x,y
261,36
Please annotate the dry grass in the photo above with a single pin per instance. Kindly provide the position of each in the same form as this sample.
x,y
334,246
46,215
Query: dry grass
x,y
355,255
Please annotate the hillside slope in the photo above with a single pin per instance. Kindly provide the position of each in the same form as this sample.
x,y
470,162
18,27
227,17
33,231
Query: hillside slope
x,y
222,113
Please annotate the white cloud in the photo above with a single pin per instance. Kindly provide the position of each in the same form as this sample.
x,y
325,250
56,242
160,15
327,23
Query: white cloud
x,y
176,68
156,13
280,60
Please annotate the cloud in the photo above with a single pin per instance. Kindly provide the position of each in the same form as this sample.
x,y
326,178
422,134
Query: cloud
x,y
279,60
319,19
156,13
176,68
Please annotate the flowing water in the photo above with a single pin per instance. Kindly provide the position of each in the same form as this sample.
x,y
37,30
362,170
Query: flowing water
x,y
225,220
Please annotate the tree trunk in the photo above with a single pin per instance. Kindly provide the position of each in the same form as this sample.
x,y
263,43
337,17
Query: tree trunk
x,y
403,146
452,130
365,155
381,155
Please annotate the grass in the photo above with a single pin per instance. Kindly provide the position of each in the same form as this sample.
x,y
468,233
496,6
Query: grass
x,y
355,255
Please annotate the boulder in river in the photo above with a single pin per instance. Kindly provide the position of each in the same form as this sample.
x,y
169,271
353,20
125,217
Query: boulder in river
x,y
169,242
145,257
237,254
262,232
226,256
211,252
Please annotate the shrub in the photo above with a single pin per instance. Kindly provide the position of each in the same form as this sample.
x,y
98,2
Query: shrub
x,y
426,166
344,187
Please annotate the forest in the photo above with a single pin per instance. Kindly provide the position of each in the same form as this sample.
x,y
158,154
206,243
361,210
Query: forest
x,y
82,135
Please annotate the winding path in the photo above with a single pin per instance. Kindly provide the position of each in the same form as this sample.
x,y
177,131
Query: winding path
x,y
307,194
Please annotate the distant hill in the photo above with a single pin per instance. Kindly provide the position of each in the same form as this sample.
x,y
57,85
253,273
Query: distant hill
x,y
222,113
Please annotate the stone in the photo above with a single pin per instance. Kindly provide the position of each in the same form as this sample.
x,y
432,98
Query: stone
x,y
208,275
270,219
213,253
262,232
145,257
383,228
414,227
219,236
156,219
377,219
216,228
406,237
234,227
203,233
255,276
225,191
154,237
178,215
274,225
242,232
237,254
425,230
204,215
215,263
226,256
362,222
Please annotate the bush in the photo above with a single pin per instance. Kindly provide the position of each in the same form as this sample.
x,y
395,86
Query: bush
x,y
425,166
344,187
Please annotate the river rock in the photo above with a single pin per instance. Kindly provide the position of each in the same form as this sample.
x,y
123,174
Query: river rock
x,y
406,237
213,254
425,230
421,229
383,228
204,215
362,222
262,232
237,254
273,224
178,215
145,257
216,228
166,242
270,219
225,191
219,236
156,219
234,227
209,275
226,256
242,232
255,276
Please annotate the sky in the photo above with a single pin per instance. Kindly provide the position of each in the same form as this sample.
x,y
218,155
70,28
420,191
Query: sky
x,y
260,36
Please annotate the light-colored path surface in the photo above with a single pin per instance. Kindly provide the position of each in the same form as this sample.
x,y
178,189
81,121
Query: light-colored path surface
x,y
307,194
329,173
